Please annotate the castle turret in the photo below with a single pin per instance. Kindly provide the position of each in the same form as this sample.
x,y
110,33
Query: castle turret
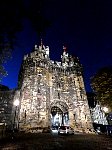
x,y
52,93
65,58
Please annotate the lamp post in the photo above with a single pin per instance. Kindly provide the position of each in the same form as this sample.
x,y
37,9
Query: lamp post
x,y
16,104
106,111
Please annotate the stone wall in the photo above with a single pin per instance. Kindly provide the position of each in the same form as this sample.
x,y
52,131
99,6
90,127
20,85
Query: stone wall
x,y
6,103
45,83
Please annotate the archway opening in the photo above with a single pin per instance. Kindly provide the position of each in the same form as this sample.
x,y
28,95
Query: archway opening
x,y
59,117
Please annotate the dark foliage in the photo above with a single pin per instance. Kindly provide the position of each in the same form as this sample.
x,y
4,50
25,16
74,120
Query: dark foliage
x,y
102,85
12,15
3,88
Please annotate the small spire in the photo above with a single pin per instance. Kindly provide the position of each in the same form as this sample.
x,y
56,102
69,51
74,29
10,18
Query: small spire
x,y
64,48
41,42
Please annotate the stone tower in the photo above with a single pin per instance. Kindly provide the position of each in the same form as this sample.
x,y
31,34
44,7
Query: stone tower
x,y
52,93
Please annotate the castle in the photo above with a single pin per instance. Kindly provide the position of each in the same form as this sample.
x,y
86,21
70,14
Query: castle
x,y
51,93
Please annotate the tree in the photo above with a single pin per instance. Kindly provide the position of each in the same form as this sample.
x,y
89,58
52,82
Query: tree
x,y
10,24
101,84
12,14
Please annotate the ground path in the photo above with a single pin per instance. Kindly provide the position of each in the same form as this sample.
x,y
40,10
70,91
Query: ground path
x,y
47,141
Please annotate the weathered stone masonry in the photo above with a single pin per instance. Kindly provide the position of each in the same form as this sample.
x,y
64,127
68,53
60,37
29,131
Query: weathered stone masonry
x,y
44,84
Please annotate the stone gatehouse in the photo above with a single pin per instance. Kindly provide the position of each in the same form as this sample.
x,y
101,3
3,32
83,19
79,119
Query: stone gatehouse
x,y
52,93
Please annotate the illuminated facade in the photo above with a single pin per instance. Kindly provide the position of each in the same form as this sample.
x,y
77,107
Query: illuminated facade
x,y
6,100
52,93
98,115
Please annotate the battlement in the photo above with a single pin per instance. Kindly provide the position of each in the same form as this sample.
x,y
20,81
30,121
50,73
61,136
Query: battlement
x,y
40,58
52,92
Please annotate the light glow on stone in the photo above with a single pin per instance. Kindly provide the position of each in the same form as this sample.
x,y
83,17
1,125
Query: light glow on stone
x,y
16,102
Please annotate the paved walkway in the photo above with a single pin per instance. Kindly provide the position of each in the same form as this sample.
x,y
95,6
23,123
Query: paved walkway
x,y
55,142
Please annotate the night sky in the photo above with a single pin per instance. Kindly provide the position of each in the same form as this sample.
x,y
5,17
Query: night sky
x,y
84,27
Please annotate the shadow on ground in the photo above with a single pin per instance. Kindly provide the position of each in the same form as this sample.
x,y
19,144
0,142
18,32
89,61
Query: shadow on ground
x,y
47,141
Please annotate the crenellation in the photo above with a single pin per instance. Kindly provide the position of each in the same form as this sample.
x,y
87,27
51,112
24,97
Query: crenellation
x,y
47,85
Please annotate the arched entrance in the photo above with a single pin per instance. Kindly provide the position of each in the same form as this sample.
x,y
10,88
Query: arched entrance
x,y
59,114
